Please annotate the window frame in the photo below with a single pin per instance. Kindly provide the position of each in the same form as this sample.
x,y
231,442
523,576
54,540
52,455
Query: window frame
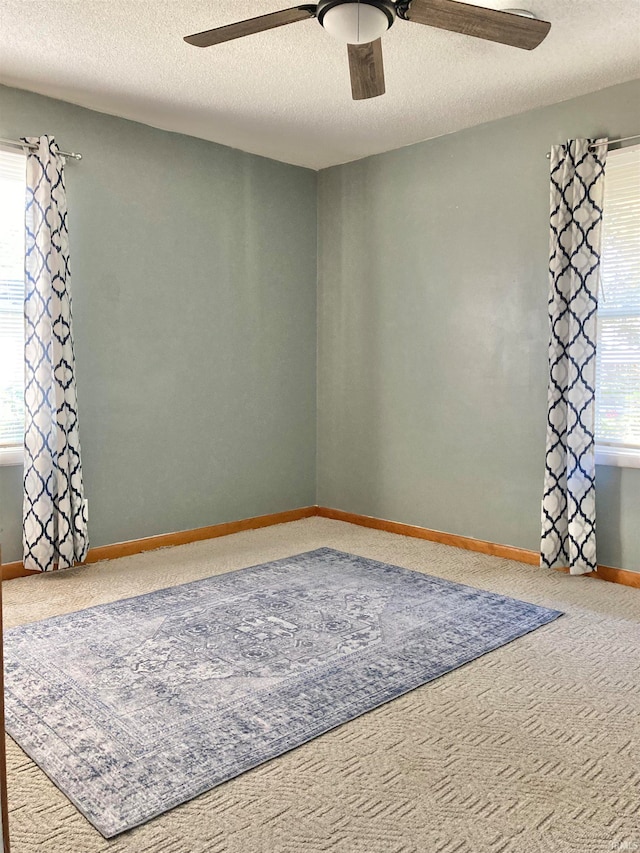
x,y
13,454
617,455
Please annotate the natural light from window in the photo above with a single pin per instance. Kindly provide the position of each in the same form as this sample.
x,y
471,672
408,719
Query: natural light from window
x,y
12,201
618,353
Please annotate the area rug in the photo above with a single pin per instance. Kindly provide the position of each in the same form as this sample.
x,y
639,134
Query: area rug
x,y
134,707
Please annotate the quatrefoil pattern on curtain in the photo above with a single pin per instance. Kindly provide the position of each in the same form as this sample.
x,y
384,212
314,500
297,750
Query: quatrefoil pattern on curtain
x,y
568,504
55,510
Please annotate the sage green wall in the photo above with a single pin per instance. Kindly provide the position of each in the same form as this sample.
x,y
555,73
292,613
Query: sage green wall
x,y
433,333
194,281
194,291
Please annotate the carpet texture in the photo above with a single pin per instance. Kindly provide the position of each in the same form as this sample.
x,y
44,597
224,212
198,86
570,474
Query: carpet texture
x,y
533,748
134,707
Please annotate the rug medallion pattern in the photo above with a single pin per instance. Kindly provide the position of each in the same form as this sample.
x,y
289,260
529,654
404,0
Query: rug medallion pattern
x,y
136,706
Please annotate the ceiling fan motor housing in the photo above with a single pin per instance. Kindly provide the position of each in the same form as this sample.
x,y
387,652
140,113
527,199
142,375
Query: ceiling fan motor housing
x,y
373,18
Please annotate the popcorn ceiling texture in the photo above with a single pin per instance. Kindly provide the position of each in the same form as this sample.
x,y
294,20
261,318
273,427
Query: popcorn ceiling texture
x,y
285,94
530,749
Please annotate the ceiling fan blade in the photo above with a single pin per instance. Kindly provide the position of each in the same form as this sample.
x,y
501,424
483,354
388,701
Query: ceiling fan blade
x,y
503,27
251,26
367,70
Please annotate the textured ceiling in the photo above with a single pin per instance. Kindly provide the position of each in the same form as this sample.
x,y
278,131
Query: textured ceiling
x,y
285,93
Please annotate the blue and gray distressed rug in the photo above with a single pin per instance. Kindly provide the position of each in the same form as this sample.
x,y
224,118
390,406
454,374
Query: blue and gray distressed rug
x,y
134,707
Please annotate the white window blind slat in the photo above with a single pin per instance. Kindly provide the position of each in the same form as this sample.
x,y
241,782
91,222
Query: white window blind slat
x,y
12,201
618,353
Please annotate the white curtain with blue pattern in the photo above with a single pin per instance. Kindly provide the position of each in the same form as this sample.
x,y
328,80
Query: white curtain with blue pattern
x,y
569,500
55,510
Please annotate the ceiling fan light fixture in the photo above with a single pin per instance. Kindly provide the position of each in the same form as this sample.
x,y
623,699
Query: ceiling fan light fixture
x,y
353,22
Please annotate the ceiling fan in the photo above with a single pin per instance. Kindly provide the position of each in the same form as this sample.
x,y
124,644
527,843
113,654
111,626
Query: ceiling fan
x,y
361,23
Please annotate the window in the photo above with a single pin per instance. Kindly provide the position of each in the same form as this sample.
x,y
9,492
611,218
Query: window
x,y
12,200
618,354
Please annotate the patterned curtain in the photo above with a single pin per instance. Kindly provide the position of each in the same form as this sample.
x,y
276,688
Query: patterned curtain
x,y
568,503
55,510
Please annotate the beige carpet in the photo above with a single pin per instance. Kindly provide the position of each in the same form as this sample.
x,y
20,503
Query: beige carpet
x,y
533,748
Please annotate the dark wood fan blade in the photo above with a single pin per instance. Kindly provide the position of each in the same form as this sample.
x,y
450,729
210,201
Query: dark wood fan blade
x,y
367,70
503,27
250,26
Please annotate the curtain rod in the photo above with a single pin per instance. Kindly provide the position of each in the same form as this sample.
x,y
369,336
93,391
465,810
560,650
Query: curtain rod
x,y
74,156
611,142
16,143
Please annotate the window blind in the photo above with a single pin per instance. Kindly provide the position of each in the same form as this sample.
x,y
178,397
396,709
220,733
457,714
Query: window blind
x,y
12,204
618,348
